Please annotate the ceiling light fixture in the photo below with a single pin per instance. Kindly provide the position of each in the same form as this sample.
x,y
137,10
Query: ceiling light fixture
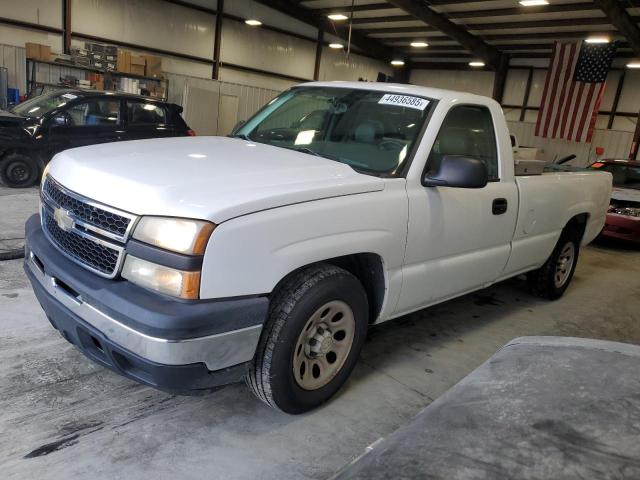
x,y
337,16
397,63
598,40
419,44
253,23
476,64
336,45
533,3
634,64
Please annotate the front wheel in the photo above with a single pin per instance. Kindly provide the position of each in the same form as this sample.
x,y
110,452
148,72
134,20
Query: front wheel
x,y
18,170
552,279
312,339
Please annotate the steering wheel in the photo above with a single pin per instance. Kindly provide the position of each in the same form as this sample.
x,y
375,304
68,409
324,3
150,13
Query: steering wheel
x,y
390,144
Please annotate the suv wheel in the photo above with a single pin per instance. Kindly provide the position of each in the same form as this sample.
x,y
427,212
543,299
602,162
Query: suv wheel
x,y
312,339
18,171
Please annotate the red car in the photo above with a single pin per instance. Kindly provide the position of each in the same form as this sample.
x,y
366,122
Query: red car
x,y
623,219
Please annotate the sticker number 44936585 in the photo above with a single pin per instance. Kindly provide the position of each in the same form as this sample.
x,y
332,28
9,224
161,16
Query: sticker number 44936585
x,y
404,101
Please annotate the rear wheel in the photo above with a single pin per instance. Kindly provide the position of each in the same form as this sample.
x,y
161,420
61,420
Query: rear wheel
x,y
18,170
552,279
312,339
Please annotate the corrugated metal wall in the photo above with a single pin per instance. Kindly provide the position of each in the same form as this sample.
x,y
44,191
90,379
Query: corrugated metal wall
x,y
213,107
14,59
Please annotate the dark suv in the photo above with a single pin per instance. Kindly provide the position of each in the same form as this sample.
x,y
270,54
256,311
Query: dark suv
x,y
34,131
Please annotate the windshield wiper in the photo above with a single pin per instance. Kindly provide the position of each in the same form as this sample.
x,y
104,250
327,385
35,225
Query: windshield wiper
x,y
312,152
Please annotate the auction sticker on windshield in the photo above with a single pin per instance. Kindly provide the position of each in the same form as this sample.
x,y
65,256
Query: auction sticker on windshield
x,y
404,101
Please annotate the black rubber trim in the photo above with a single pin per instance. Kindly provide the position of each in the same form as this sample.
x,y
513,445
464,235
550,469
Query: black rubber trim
x,y
141,309
163,257
179,379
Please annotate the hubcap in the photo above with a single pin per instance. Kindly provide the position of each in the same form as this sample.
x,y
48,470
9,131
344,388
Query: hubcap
x,y
564,264
323,345
17,172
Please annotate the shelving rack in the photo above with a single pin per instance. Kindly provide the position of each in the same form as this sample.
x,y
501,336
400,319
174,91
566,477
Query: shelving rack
x,y
109,77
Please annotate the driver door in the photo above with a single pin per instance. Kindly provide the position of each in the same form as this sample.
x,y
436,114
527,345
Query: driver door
x,y
87,122
458,240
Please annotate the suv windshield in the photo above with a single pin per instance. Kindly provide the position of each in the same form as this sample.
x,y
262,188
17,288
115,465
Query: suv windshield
x,y
623,176
371,131
43,104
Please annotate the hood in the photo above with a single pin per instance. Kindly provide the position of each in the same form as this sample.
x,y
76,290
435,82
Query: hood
x,y
8,118
625,194
212,178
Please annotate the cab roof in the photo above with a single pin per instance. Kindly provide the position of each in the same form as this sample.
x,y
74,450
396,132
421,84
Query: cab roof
x,y
405,89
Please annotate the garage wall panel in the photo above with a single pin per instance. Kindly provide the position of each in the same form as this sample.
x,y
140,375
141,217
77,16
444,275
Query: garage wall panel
x,y
17,36
480,83
537,88
334,65
267,50
13,58
270,82
630,96
149,23
41,12
515,87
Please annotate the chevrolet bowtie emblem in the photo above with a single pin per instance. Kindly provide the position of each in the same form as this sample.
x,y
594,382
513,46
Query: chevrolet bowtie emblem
x,y
63,219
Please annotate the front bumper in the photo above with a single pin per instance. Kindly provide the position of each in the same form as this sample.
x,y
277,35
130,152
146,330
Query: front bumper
x,y
622,227
169,344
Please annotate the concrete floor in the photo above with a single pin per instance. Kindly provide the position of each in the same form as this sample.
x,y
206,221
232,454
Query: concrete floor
x,y
61,416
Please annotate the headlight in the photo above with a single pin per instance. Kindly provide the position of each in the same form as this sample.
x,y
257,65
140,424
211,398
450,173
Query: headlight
x,y
176,234
170,281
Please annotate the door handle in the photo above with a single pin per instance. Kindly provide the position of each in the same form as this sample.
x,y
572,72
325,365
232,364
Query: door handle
x,y
499,206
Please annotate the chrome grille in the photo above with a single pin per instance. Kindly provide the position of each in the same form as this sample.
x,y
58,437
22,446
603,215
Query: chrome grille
x,y
89,212
98,257
89,233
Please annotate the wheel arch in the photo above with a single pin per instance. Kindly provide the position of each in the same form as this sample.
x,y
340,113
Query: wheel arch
x,y
367,267
578,224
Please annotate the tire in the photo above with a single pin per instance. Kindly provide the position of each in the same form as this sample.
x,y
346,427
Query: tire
x,y
18,171
552,279
300,329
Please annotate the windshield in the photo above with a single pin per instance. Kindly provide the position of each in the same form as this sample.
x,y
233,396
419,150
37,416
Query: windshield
x,y
43,104
624,176
371,131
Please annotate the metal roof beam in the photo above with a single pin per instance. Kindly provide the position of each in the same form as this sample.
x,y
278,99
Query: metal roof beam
x,y
625,23
491,55
369,45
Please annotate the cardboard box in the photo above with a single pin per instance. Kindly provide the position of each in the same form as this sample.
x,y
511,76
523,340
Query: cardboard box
x,y
45,53
138,65
37,51
32,50
123,63
99,85
154,66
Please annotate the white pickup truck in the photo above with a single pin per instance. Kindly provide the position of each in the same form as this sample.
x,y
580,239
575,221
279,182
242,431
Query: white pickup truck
x,y
189,263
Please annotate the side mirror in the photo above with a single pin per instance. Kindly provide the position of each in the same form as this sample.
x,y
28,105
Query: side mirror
x,y
458,171
61,119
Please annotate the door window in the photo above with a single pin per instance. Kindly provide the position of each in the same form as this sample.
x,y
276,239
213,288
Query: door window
x,y
94,112
468,131
142,113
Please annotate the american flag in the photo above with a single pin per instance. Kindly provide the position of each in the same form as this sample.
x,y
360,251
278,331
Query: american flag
x,y
573,90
